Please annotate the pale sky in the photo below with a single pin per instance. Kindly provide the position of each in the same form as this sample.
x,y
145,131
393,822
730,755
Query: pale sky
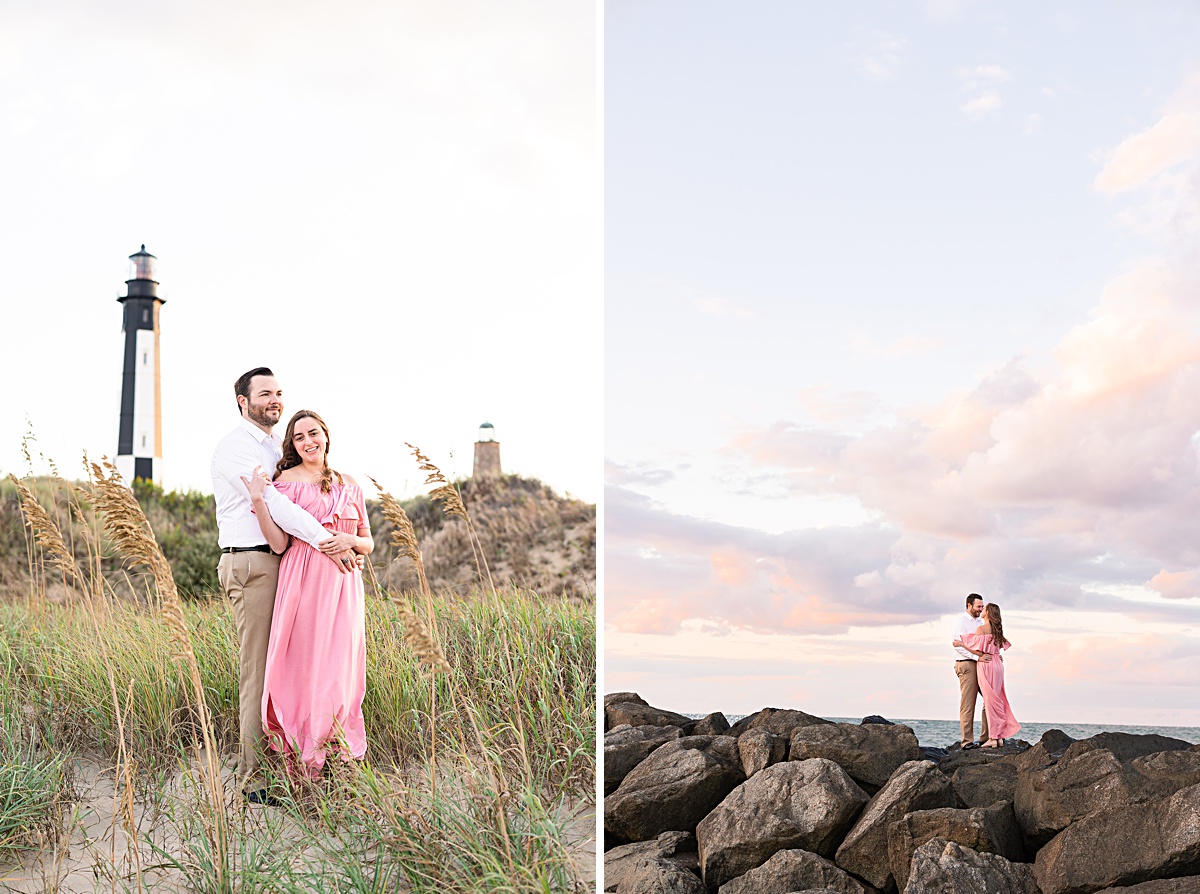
x,y
396,206
902,302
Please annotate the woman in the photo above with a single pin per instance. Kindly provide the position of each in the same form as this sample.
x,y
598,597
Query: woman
x,y
315,675
989,639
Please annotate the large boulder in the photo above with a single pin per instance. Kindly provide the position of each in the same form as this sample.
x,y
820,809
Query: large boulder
x,y
870,753
760,749
635,712
1103,771
1124,845
627,746
674,788
990,830
1048,799
780,721
981,785
678,847
652,875
806,805
715,724
947,867
916,785
794,870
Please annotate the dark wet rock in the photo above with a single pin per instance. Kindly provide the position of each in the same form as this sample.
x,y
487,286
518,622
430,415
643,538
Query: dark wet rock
x,y
627,746
870,754
956,757
794,871
674,788
1164,773
653,875
947,867
875,718
807,805
1124,845
1050,798
916,785
1126,746
931,753
714,724
1055,741
990,830
760,749
779,721
679,847
980,785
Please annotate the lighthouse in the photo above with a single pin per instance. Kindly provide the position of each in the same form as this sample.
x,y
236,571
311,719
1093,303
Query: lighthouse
x,y
487,453
139,443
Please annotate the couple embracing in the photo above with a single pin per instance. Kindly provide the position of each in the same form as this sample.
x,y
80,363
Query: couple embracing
x,y
979,640
293,535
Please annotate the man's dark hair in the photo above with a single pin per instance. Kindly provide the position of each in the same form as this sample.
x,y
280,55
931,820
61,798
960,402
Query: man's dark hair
x,y
972,598
241,388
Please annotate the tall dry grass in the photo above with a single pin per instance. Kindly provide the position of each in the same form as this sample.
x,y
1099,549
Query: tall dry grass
x,y
471,764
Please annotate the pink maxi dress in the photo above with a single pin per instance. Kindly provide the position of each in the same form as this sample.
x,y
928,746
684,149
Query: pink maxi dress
x,y
1001,722
316,671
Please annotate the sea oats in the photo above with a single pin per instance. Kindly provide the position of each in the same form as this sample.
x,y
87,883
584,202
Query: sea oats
x,y
419,638
46,534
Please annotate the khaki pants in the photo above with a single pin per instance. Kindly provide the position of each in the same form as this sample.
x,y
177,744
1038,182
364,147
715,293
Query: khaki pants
x,y
249,579
968,689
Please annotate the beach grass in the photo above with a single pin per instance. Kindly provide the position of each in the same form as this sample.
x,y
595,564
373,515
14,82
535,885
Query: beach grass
x,y
480,770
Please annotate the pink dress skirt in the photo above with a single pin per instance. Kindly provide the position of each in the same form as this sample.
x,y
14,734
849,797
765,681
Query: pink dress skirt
x,y
1001,722
316,670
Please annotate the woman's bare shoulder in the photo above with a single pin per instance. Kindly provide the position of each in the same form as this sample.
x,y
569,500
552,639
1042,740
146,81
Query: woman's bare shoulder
x,y
291,474
348,479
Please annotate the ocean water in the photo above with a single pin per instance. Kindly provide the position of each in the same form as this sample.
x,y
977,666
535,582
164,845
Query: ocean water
x,y
943,733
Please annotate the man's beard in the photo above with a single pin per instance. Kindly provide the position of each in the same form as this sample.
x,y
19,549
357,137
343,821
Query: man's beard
x,y
260,415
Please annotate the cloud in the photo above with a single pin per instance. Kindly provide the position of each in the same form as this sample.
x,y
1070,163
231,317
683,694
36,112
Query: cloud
x,y
879,55
982,104
1173,139
635,473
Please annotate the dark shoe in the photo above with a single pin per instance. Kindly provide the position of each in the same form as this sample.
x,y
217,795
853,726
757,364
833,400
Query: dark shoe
x,y
969,745
262,796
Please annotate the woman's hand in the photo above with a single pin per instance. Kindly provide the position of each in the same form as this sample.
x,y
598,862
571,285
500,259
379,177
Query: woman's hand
x,y
338,543
256,485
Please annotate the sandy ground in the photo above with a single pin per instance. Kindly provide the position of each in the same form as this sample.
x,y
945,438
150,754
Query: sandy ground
x,y
97,854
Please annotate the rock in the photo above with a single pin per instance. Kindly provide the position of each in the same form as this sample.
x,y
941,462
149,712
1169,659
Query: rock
x,y
674,788
1126,746
638,713
617,698
1189,885
875,718
956,757
1105,770
992,830
714,724
1048,799
1164,773
1055,741
946,867
916,785
930,753
807,805
779,721
791,871
760,749
981,785
680,847
1124,844
870,754
627,746
653,875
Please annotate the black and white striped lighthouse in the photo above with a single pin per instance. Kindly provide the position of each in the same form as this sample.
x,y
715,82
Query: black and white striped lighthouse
x,y
139,444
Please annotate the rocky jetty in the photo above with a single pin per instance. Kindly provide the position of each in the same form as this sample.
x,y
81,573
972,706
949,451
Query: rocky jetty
x,y
784,802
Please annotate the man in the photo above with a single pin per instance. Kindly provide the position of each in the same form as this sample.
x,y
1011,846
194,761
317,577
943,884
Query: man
x,y
248,570
968,679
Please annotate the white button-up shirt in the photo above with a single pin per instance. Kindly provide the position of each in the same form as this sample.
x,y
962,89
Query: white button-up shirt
x,y
964,623
236,456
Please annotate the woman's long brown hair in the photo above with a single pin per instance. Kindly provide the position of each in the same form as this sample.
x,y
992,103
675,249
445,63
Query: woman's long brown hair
x,y
992,611
291,456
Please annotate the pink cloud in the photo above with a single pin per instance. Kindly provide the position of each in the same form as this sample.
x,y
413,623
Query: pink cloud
x,y
1176,584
